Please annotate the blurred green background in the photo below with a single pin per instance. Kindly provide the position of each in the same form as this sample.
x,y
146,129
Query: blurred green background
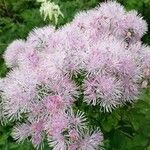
x,y
127,128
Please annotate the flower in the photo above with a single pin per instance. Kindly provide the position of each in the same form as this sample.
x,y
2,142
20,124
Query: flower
x,y
103,43
54,104
91,141
21,132
50,10
78,120
104,90
18,91
38,38
131,25
12,52
87,140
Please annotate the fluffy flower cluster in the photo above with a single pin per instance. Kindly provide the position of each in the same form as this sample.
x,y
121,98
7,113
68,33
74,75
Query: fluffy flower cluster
x,y
50,10
105,43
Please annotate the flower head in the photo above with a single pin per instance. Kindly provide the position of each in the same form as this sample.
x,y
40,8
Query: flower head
x,y
12,52
104,43
50,10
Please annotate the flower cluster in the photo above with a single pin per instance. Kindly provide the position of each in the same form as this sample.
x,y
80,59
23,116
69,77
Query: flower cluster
x,y
39,92
50,10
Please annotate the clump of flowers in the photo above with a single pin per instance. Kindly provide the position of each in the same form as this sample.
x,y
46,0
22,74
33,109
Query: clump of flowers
x,y
40,93
50,10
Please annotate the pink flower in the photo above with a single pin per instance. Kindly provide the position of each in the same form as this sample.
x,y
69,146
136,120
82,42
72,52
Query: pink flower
x,y
39,38
29,59
54,104
90,141
36,131
132,25
12,52
78,120
104,43
21,132
65,88
104,90
18,91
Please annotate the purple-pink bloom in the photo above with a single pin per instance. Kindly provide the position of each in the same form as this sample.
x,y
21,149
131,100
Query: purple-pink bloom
x,y
104,46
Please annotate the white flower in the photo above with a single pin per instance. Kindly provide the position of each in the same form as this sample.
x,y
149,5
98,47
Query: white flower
x,y
50,10
41,1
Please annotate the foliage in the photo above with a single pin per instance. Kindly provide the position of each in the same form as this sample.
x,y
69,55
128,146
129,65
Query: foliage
x,y
127,128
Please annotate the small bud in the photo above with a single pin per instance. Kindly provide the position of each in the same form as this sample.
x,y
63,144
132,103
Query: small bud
x,y
73,135
144,84
129,34
146,72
